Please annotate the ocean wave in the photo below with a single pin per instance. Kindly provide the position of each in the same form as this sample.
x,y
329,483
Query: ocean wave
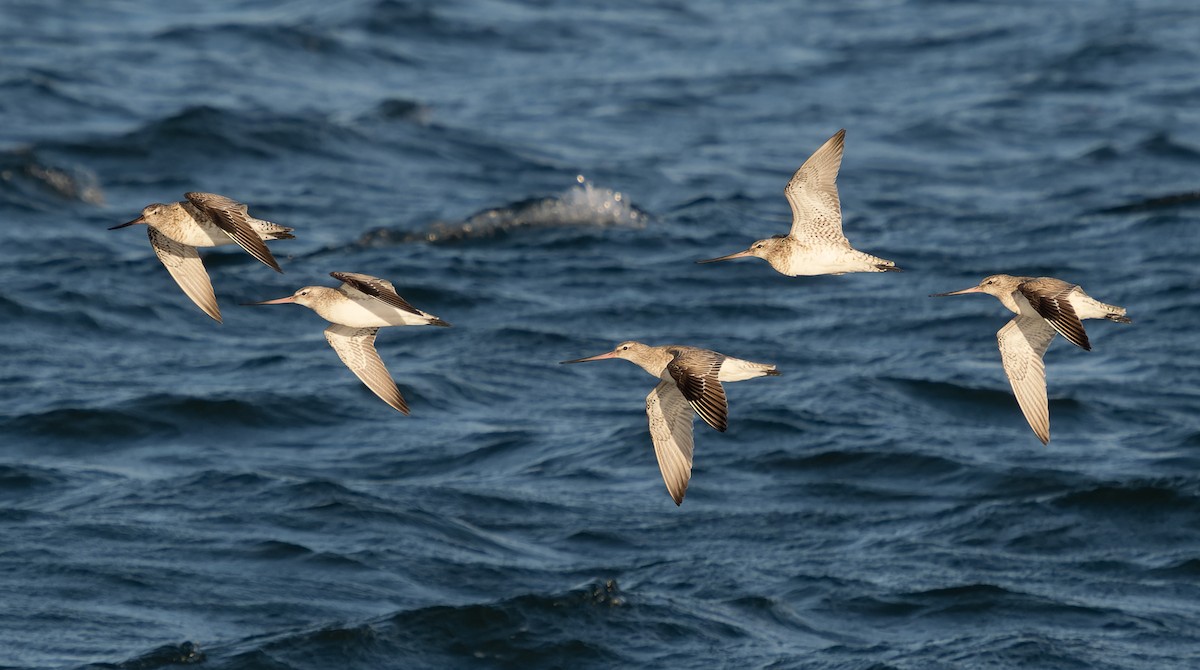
x,y
544,630
168,655
26,179
197,135
583,206
943,394
422,20
89,424
1163,145
968,599
1188,568
399,109
23,479
1153,203
164,416
290,40
1136,498
856,464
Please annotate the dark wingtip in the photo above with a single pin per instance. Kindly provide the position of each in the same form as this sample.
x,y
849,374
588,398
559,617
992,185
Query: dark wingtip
x,y
1118,318
438,322
773,373
889,268
270,262
1081,342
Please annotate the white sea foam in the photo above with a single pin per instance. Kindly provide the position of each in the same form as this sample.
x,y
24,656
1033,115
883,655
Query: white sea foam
x,y
580,205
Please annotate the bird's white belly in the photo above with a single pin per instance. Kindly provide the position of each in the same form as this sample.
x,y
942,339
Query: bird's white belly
x,y
367,314
809,261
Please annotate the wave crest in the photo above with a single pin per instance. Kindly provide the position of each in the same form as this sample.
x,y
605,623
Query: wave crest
x,y
582,205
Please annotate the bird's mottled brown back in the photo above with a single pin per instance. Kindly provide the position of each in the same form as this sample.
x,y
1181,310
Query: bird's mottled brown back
x,y
1049,298
695,372
375,287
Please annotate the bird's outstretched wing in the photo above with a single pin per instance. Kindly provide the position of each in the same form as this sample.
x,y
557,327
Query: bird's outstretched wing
x,y
813,195
185,266
670,418
1023,342
356,348
695,373
231,217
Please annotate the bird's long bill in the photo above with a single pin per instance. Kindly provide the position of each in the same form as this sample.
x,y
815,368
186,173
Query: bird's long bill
x,y
973,289
276,301
598,357
740,254
140,219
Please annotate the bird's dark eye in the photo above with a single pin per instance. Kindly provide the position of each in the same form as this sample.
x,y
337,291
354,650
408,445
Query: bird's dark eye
x,y
625,347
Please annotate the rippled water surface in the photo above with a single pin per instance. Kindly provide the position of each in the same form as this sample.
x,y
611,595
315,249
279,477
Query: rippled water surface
x,y
173,490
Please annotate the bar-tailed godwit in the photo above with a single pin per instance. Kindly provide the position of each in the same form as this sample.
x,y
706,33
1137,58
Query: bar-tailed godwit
x,y
1043,306
691,380
358,309
816,244
204,220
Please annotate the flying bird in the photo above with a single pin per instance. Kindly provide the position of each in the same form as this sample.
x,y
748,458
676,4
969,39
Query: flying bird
x,y
1043,306
358,309
690,384
205,220
815,245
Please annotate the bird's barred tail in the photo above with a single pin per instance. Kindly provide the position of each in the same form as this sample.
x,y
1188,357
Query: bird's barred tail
x,y
1115,313
271,231
880,264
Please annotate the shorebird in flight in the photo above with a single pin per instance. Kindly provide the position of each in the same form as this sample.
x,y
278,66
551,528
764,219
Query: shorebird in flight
x,y
815,245
205,220
691,381
1043,306
358,309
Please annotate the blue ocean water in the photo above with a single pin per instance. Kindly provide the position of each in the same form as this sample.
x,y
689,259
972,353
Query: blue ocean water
x,y
173,490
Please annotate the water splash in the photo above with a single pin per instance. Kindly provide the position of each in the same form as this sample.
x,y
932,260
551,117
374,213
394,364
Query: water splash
x,y
580,205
